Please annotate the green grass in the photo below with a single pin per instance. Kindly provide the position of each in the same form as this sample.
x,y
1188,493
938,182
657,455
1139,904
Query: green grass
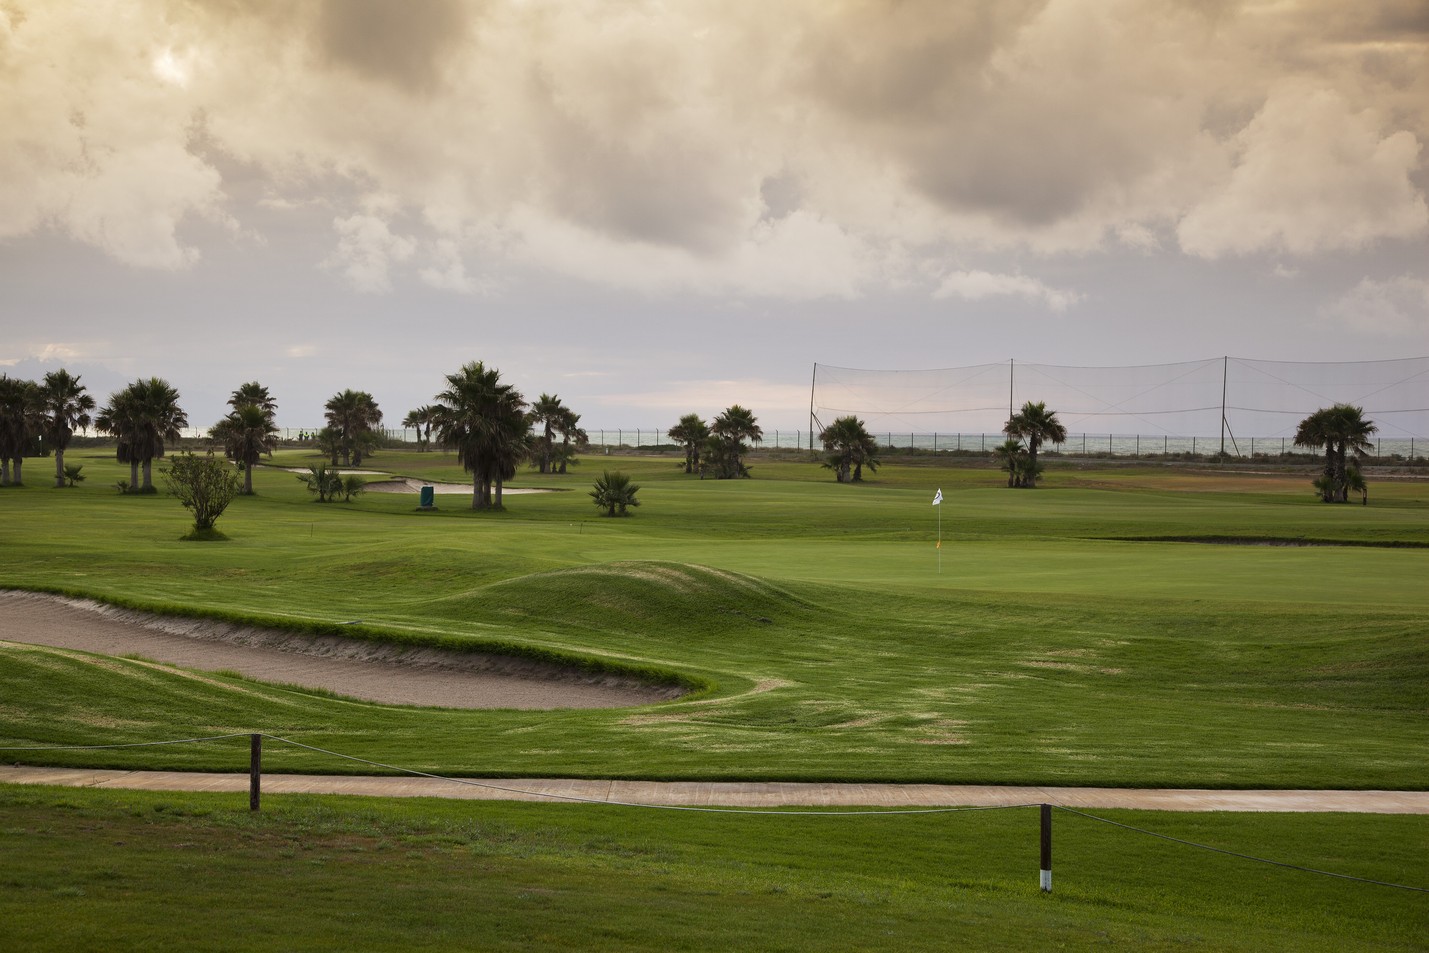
x,y
129,870
1051,645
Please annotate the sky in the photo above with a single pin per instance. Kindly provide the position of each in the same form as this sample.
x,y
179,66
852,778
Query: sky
x,y
664,207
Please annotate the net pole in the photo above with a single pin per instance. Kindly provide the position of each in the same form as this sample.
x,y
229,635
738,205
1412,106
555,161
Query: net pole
x,y
1225,371
812,381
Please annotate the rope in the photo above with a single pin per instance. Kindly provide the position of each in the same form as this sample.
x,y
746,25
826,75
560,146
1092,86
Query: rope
x,y
132,744
1231,853
654,807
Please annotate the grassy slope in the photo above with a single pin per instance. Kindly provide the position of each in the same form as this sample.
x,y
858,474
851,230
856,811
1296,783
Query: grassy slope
x,y
197,872
1041,653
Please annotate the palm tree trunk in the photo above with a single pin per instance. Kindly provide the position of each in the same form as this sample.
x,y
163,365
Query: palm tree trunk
x,y
59,467
475,491
248,477
1341,476
148,473
1032,462
134,475
497,501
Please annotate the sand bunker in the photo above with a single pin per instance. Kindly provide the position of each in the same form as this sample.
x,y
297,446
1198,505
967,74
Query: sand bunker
x,y
392,674
408,485
332,470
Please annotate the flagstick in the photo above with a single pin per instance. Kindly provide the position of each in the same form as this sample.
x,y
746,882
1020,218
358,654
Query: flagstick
x,y
940,540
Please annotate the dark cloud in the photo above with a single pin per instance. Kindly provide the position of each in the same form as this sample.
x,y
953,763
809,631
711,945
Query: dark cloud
x,y
405,44
898,60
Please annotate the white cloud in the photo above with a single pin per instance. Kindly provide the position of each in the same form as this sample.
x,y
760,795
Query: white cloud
x,y
1398,307
976,285
448,270
366,251
1314,173
58,352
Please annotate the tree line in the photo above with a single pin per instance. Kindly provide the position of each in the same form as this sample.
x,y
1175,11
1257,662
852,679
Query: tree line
x,y
494,431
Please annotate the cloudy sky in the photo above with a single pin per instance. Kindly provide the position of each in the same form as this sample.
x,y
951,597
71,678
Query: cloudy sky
x,y
652,208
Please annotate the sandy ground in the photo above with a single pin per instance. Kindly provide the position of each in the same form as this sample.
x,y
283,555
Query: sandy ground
x,y
742,794
355,668
408,485
396,484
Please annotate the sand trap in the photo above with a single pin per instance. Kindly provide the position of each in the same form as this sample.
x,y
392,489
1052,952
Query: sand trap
x,y
332,470
408,485
391,674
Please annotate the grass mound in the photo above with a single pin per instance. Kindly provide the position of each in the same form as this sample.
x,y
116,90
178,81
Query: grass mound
x,y
635,596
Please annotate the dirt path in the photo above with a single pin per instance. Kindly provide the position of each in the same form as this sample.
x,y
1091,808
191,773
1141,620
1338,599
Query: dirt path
x,y
747,794
371,671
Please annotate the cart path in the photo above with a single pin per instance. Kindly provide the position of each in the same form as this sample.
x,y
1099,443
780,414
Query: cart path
x,y
746,794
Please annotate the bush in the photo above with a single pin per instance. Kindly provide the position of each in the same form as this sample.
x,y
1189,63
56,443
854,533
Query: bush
x,y
205,485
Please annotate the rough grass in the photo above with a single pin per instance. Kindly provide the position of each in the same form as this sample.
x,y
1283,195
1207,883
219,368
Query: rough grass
x,y
130,870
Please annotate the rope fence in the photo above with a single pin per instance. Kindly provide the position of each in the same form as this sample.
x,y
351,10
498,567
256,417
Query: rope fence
x,y
1045,871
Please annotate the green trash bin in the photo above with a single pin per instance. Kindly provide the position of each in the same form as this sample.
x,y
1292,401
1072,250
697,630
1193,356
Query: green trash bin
x,y
428,497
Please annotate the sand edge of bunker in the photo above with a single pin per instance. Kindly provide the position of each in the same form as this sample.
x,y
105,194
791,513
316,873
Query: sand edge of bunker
x,y
557,683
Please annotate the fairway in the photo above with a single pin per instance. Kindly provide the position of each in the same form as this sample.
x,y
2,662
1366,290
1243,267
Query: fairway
x,y
824,637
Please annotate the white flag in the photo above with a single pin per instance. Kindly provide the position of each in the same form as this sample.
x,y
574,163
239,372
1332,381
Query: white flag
x,y
938,497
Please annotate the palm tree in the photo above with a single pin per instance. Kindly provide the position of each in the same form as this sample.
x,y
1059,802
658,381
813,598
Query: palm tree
x,y
256,394
144,417
21,419
1035,424
66,408
1014,460
329,441
246,434
485,420
352,485
1352,433
324,482
1313,433
726,445
849,448
159,422
546,413
119,418
355,416
573,439
690,433
1341,429
421,418
614,493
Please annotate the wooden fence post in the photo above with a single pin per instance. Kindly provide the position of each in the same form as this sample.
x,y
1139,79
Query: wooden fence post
x,y
255,769
1046,848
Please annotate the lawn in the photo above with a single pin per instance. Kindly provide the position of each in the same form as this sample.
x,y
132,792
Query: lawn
x,y
1057,637
139,871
